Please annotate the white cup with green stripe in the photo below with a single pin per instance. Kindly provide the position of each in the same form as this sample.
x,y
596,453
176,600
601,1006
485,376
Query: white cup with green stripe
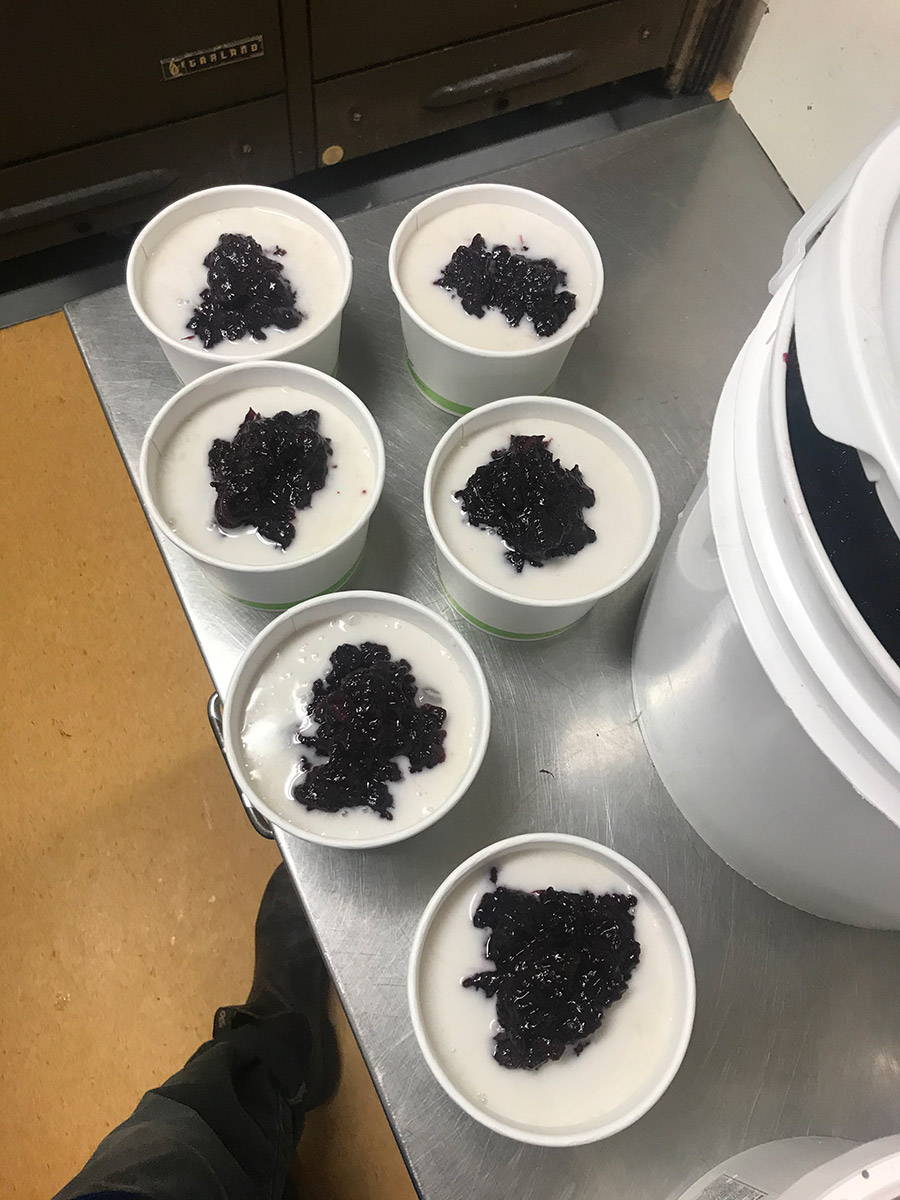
x,y
329,534
460,362
477,567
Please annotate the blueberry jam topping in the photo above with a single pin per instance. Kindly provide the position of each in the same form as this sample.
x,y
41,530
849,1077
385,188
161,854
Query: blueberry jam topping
x,y
367,717
535,504
513,283
561,959
245,293
268,471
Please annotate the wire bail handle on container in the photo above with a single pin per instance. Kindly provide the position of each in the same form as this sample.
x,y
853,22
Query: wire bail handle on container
x,y
259,822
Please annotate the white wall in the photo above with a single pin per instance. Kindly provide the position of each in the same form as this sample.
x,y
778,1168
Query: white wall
x,y
821,78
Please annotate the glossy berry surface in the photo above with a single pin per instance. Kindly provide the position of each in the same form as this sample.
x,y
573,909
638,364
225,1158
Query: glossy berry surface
x,y
535,504
520,287
367,717
268,471
245,293
561,959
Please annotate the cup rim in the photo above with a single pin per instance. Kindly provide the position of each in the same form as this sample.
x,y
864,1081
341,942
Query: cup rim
x,y
288,345
601,1129
293,370
435,462
450,638
591,250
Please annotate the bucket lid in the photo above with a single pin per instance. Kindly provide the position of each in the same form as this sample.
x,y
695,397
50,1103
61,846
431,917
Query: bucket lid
x,y
867,1172
848,318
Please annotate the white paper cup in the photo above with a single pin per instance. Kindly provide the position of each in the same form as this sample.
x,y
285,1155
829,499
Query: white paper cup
x,y
318,349
503,613
457,377
287,813
444,1065
281,584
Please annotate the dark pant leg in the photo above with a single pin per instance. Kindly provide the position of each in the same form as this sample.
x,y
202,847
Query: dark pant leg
x,y
222,1128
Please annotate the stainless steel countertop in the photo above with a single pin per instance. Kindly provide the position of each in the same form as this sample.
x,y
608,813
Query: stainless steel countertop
x,y
798,1023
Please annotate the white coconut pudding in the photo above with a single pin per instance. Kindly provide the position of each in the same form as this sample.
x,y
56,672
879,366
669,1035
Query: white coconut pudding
x,y
503,536
562,1081
330,707
529,237
187,501
295,274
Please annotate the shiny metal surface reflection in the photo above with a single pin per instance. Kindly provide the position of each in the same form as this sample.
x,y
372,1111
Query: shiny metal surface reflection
x,y
796,1027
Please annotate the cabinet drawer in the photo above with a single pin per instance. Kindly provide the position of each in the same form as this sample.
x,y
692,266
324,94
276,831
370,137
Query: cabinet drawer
x,y
126,179
81,72
384,106
362,33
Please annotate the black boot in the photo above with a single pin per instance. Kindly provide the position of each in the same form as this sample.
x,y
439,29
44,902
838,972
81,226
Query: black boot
x,y
290,991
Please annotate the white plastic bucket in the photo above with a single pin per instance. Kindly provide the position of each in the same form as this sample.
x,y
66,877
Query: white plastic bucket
x,y
317,348
457,377
768,726
805,1168
283,583
503,613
